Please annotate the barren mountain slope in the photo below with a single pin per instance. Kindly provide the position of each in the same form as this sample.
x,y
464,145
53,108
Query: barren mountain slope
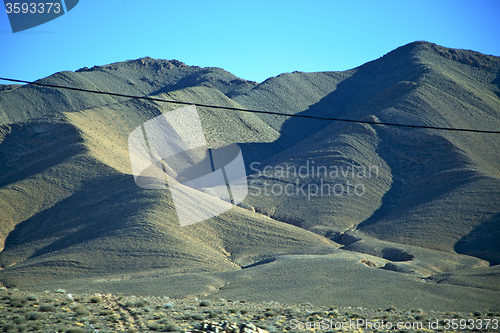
x,y
427,188
417,209
139,77
70,207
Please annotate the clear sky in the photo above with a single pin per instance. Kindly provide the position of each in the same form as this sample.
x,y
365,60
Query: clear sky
x,y
252,39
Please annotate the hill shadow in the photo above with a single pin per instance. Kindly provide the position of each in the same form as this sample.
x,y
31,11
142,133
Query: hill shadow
x,y
96,210
482,242
24,153
411,169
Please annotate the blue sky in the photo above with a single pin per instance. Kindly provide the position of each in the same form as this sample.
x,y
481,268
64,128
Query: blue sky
x,y
252,39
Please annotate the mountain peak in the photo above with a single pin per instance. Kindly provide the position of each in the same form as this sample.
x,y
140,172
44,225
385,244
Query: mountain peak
x,y
431,52
148,62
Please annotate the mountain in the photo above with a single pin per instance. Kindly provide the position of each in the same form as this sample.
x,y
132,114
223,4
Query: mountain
x,y
410,214
428,175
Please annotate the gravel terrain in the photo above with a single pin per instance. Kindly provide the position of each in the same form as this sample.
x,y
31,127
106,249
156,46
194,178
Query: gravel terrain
x,y
60,311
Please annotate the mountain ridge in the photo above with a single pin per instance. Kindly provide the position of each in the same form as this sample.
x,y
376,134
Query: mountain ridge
x,y
70,210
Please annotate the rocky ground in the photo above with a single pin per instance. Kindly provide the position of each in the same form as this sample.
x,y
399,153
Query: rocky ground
x,y
60,311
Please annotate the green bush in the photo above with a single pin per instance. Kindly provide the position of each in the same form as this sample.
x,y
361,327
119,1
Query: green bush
x,y
171,327
113,318
137,304
290,312
106,312
124,318
95,299
33,316
35,326
46,307
18,302
153,326
81,311
10,328
186,316
212,314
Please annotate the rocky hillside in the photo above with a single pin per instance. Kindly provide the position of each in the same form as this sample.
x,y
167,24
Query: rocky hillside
x,y
417,209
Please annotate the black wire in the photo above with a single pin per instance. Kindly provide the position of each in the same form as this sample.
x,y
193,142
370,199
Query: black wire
x,y
254,111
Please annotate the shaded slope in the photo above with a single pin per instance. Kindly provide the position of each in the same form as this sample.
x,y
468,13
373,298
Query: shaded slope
x,y
433,187
451,180
313,185
328,94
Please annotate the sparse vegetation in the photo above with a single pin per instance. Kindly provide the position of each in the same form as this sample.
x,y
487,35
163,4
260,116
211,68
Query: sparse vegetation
x,y
223,316
106,312
171,327
47,307
34,316
95,299
137,303
81,310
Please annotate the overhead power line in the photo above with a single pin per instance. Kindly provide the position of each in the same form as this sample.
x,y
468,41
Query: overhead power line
x,y
254,111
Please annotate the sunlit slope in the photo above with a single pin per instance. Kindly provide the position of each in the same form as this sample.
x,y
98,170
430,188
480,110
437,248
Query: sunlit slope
x,y
107,127
70,207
